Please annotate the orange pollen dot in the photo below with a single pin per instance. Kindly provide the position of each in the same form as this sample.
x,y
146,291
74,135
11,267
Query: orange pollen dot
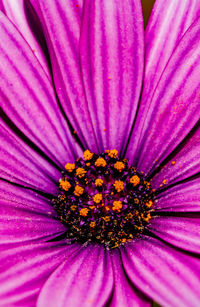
x,y
97,198
119,166
135,180
70,167
119,185
100,162
65,185
62,197
106,219
80,172
113,153
84,211
164,181
92,224
78,191
88,164
149,204
88,155
98,182
73,207
117,205
173,162
147,218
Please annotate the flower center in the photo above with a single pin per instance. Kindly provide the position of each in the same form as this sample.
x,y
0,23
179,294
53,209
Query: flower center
x,y
103,199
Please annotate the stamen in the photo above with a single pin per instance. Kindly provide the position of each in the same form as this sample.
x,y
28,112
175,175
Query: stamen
x,y
135,180
119,166
100,162
70,167
80,172
65,184
88,155
119,185
97,198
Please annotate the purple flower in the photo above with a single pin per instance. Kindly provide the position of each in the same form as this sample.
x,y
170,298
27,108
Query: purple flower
x,y
83,74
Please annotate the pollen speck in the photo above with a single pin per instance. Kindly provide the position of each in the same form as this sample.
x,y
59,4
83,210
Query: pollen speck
x,y
164,181
173,162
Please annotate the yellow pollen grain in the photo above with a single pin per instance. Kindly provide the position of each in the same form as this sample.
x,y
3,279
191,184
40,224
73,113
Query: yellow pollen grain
x,y
135,180
73,207
97,198
92,224
149,204
70,167
107,208
147,218
100,162
88,155
106,219
78,191
117,205
98,182
113,153
119,185
84,211
136,201
88,164
119,166
173,162
80,172
164,181
65,184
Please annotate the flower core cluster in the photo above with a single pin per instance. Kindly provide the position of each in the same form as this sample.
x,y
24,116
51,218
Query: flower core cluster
x,y
103,199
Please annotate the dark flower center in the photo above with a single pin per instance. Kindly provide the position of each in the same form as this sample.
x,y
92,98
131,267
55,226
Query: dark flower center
x,y
103,199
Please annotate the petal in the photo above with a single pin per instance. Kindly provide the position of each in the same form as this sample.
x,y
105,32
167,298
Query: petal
x,y
21,14
181,198
183,164
111,53
25,268
166,275
175,18
174,108
125,294
27,97
179,231
84,280
22,221
61,22
19,163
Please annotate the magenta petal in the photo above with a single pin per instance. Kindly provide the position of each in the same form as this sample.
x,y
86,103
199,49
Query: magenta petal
x,y
83,280
175,18
166,275
21,164
27,97
24,216
19,12
61,23
25,268
174,108
179,231
125,294
181,198
184,164
111,52
26,199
